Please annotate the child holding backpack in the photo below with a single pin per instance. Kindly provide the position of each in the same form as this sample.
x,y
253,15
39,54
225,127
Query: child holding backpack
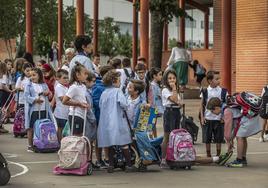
x,y
113,129
21,83
36,103
172,104
264,114
76,98
154,94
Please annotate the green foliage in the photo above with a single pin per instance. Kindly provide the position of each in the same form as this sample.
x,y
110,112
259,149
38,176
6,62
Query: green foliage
x,y
108,33
124,45
172,43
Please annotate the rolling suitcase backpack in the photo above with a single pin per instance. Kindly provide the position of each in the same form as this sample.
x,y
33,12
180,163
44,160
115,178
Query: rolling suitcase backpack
x,y
4,172
45,136
18,126
180,150
74,154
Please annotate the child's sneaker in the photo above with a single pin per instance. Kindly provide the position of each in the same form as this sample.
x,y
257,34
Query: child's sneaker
x,y
244,161
235,164
265,137
261,139
110,169
164,164
30,149
223,158
103,164
131,169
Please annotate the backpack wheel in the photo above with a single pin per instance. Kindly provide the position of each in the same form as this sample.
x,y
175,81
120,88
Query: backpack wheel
x,y
89,169
4,176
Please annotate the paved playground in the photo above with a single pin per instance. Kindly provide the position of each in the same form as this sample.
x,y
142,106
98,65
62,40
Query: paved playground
x,y
35,170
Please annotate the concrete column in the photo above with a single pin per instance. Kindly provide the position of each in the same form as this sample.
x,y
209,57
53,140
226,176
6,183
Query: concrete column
x,y
29,29
144,30
226,42
79,17
182,23
135,34
95,26
165,38
206,28
60,38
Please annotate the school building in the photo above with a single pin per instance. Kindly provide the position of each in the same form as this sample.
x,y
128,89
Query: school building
x,y
240,37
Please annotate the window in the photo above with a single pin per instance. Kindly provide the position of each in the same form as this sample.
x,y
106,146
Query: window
x,y
203,25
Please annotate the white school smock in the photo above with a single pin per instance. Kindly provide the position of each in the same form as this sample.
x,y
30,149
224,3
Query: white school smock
x,y
113,128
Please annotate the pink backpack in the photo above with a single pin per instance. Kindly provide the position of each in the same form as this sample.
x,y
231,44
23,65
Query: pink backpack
x,y
180,147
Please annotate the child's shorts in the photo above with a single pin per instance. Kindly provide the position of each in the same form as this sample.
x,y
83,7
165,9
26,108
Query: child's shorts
x,y
213,129
77,126
61,122
172,118
35,116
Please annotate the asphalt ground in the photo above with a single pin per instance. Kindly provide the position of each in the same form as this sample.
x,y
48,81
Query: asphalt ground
x,y
30,170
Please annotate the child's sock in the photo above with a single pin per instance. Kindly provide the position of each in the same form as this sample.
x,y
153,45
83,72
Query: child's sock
x,y
218,152
208,153
127,156
215,159
111,156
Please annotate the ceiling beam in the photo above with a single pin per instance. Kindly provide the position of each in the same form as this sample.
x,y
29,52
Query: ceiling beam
x,y
199,6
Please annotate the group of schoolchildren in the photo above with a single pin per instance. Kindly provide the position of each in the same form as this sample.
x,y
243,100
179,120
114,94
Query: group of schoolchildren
x,y
106,99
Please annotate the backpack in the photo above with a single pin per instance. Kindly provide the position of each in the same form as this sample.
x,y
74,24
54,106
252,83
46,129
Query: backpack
x,y
45,136
129,77
205,97
18,127
180,146
200,70
74,152
147,152
264,107
249,103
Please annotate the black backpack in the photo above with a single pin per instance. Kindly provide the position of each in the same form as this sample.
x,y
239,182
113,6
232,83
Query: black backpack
x,y
129,77
264,107
4,172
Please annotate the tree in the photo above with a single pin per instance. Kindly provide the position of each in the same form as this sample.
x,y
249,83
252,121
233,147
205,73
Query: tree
x,y
108,33
124,44
162,11
12,22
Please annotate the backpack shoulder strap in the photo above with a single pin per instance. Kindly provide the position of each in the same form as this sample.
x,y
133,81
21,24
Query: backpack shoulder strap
x,y
204,91
126,72
223,95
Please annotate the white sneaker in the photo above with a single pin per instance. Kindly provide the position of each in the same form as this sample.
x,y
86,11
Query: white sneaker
x,y
261,139
265,137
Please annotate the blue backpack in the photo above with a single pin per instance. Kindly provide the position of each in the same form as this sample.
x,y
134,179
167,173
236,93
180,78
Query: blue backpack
x,y
146,149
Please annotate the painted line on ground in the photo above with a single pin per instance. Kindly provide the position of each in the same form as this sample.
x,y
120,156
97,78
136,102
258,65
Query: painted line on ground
x,y
24,171
38,162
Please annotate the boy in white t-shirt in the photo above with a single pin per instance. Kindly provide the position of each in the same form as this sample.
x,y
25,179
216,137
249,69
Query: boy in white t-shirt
x,y
212,124
61,111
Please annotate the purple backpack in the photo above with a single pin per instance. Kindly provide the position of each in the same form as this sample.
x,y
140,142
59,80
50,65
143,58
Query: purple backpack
x,y
45,136
18,127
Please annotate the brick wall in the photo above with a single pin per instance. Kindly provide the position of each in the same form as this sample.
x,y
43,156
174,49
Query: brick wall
x,y
217,34
3,49
233,86
251,45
